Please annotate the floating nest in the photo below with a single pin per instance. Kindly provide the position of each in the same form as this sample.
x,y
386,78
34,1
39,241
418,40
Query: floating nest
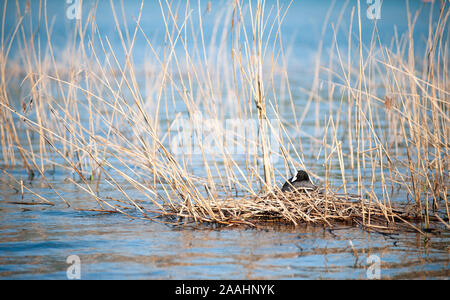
x,y
314,207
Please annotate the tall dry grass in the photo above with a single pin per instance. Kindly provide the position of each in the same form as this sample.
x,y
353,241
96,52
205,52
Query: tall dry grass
x,y
93,110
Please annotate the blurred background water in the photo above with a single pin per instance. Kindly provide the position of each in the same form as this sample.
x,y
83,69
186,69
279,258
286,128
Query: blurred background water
x,y
36,240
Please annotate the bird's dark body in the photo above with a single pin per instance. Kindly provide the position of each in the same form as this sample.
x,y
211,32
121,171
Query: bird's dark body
x,y
300,182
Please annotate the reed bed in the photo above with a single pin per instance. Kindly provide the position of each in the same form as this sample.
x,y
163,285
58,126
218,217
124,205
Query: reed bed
x,y
95,112
300,208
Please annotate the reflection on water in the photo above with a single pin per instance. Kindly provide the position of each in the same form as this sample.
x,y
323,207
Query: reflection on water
x,y
36,240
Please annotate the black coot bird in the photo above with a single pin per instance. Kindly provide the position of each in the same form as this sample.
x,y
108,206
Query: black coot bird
x,y
300,182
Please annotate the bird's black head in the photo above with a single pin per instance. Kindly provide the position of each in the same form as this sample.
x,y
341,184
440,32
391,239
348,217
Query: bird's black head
x,y
301,176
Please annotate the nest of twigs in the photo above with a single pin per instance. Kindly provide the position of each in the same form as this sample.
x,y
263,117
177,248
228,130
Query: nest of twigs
x,y
306,207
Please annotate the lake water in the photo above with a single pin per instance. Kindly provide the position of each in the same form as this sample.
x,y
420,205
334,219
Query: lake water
x,y
36,240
